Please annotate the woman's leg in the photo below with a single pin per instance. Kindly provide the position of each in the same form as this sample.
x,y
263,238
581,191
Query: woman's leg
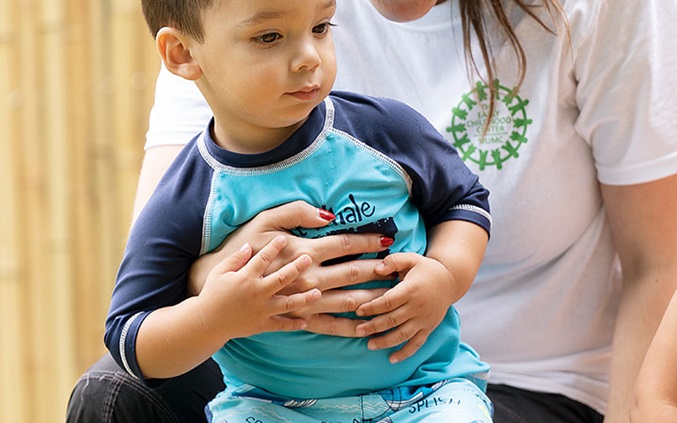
x,y
105,394
513,405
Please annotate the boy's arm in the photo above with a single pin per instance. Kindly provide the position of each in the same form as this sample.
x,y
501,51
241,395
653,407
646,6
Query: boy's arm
x,y
148,307
237,301
459,245
455,207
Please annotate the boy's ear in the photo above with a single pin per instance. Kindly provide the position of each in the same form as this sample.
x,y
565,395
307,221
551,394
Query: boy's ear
x,y
173,47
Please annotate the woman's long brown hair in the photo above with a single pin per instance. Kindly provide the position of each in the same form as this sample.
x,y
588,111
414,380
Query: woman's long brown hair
x,y
474,17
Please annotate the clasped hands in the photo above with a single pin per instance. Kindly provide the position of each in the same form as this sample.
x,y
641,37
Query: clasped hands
x,y
293,277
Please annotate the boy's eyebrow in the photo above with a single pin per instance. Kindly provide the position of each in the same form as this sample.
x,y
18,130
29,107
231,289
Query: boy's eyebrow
x,y
268,15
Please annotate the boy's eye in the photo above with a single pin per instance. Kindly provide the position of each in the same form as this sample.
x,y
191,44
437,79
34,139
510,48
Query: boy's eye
x,y
322,28
268,38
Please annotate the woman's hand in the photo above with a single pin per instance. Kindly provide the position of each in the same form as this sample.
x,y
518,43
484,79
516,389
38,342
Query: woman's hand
x,y
278,221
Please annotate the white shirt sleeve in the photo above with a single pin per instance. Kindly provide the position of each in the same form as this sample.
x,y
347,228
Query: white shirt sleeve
x,y
179,112
626,70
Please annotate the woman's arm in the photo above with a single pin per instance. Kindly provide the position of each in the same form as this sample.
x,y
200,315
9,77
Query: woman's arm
x,y
656,390
644,227
155,163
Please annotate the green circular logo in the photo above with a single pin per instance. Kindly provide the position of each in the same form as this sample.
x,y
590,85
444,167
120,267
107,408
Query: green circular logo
x,y
503,137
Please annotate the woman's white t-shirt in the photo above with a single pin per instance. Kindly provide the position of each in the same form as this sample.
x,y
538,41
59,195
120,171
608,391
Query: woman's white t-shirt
x,y
595,107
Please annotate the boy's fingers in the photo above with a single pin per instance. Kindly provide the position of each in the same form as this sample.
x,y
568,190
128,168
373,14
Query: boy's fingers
x,y
387,303
284,304
261,260
382,323
397,262
287,274
409,349
234,261
393,338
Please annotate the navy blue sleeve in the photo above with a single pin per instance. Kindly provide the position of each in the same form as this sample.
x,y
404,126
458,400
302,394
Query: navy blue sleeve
x,y
162,245
443,187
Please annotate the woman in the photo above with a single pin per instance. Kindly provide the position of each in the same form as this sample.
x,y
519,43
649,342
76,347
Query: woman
x,y
580,157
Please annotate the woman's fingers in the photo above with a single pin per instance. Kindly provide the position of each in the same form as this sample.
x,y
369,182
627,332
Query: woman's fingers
x,y
293,215
338,301
325,324
346,245
343,274
343,301
286,324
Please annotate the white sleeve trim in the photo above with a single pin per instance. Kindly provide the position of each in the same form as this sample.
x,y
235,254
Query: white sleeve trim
x,y
123,339
473,209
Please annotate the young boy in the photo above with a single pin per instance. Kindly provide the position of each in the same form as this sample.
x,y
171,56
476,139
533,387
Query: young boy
x,y
266,68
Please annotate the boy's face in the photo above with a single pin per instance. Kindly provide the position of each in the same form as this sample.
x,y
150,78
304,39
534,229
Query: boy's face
x,y
265,63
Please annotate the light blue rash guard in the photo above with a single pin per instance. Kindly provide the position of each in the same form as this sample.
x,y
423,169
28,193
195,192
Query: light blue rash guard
x,y
379,166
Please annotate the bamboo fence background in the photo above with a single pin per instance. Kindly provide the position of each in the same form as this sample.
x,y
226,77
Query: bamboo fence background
x,y
76,85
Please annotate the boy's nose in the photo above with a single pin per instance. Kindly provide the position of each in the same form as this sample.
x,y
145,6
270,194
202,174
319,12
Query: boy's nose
x,y
307,57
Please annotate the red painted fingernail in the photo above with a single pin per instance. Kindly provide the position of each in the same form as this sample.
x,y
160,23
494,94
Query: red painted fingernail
x,y
327,215
386,241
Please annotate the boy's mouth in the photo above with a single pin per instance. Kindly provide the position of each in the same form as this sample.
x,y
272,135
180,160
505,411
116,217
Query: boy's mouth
x,y
306,94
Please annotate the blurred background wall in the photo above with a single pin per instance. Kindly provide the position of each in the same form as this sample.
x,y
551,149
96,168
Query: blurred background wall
x,y
76,85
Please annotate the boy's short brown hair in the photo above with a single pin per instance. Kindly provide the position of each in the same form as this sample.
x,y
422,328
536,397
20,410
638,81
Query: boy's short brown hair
x,y
184,15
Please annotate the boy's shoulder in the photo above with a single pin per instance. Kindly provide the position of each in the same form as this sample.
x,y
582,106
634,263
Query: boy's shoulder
x,y
382,115
369,103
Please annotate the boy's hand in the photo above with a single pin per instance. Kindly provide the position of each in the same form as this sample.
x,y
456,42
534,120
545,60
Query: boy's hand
x,y
412,309
239,299
279,221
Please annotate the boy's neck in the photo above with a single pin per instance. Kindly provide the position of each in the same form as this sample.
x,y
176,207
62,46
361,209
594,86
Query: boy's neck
x,y
250,139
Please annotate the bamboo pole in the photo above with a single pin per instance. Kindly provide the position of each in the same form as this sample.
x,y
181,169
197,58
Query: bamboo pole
x,y
57,103
12,383
34,301
90,292
72,119
129,85
76,86
111,234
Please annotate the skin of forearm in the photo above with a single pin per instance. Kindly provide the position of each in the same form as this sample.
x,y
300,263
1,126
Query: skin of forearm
x,y
655,396
641,310
460,247
174,340
644,229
